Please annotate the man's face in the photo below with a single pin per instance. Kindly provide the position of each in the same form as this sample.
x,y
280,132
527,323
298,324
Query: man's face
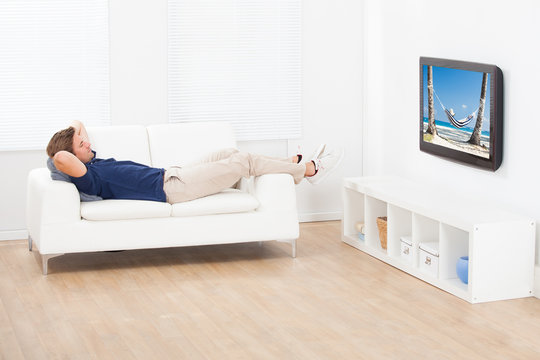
x,y
82,149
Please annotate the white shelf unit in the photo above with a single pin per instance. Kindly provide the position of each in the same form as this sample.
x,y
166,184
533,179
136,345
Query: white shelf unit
x,y
500,245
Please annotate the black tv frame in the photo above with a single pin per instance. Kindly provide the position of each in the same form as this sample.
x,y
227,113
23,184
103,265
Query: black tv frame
x,y
496,115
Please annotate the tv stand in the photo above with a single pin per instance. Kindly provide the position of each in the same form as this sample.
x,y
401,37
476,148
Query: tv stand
x,y
500,245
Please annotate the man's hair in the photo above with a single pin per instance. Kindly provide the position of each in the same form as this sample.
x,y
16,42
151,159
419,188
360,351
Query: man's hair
x,y
62,140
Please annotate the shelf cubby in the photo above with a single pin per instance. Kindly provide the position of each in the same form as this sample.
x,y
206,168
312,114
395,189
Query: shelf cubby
x,y
500,245
454,243
374,208
399,224
354,207
424,229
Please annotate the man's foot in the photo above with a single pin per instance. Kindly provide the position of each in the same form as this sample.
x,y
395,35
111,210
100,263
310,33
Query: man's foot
x,y
325,164
318,152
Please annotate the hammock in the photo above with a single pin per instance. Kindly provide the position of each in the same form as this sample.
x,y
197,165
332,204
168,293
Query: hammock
x,y
456,123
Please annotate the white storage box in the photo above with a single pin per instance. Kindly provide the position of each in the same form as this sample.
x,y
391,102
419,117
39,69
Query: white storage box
x,y
429,258
406,249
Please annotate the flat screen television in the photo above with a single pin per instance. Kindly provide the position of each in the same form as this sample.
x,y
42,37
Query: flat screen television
x,y
461,111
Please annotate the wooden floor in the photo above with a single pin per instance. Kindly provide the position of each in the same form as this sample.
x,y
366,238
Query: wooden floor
x,y
243,301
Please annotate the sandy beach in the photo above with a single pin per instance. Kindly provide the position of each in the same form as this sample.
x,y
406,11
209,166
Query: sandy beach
x,y
457,139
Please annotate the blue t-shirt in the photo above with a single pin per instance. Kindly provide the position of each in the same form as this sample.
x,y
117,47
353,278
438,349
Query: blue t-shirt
x,y
113,179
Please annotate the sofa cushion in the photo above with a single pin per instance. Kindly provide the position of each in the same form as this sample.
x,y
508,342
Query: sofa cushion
x,y
124,210
227,201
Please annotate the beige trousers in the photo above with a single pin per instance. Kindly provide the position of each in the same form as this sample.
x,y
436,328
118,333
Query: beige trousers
x,y
221,170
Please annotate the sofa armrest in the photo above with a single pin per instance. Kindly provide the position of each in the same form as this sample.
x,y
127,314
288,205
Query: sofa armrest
x,y
49,202
275,192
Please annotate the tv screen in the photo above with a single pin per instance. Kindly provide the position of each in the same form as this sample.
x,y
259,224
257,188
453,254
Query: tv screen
x,y
461,111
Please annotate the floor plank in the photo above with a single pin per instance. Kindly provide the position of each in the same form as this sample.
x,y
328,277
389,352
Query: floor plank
x,y
243,301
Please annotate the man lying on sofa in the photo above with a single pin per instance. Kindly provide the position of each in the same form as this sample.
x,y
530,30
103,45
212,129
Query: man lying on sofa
x,y
110,179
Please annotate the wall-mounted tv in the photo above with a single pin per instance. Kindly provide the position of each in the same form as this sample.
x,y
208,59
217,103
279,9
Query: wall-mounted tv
x,y
461,111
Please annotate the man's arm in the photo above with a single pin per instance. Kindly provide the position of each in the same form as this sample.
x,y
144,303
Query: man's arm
x,y
69,164
80,129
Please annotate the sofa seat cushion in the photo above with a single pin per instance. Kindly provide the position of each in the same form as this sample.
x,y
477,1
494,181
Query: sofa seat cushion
x,y
124,209
227,201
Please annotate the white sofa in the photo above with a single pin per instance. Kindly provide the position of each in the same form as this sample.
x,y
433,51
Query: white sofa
x,y
260,209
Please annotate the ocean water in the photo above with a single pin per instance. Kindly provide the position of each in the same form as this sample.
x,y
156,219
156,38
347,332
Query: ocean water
x,y
447,124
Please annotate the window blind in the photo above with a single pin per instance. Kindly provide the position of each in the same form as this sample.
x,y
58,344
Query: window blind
x,y
54,68
236,61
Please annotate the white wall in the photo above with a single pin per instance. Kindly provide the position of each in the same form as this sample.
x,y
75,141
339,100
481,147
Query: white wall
x,y
138,61
494,32
332,97
332,88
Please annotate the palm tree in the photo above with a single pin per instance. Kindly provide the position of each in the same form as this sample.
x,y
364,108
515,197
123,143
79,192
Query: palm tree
x,y
431,109
475,137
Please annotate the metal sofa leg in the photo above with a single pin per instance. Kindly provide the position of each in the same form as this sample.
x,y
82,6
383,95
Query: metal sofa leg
x,y
29,243
45,261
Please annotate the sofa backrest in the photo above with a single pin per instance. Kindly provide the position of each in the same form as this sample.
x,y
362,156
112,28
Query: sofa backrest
x,y
161,145
121,142
183,143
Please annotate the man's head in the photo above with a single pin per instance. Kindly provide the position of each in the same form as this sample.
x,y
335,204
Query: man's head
x,y
72,142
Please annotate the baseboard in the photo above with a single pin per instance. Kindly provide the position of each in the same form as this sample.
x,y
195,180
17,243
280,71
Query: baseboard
x,y
13,235
327,216
537,281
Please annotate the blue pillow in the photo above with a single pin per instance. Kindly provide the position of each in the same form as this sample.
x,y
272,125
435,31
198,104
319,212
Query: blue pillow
x,y
58,175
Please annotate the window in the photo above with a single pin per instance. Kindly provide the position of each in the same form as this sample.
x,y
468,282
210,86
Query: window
x,y
54,68
236,61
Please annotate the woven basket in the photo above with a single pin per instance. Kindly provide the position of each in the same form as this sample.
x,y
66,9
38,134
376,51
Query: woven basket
x,y
381,224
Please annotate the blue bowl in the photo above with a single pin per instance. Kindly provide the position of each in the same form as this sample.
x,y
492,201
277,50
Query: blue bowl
x,y
462,269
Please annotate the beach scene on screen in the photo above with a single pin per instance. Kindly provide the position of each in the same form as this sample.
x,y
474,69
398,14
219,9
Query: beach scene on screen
x,y
457,110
